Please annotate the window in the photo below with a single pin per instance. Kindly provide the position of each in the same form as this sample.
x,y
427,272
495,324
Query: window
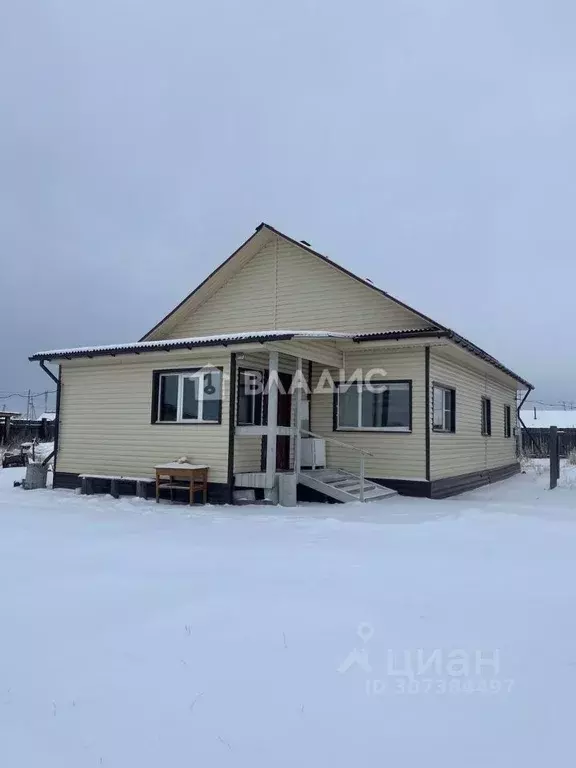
x,y
486,416
190,396
375,406
444,409
507,421
249,398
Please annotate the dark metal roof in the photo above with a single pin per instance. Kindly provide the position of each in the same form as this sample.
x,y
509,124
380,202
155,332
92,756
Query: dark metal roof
x,y
224,340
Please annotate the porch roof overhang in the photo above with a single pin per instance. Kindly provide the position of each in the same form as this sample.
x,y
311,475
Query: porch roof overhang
x,y
167,345
273,336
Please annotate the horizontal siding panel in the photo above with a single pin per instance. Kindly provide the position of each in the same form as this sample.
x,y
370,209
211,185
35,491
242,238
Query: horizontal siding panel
x,y
396,454
247,453
284,287
467,450
245,303
105,419
312,294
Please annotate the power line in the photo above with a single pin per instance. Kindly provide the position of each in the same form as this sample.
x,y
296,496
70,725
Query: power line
x,y
26,395
561,405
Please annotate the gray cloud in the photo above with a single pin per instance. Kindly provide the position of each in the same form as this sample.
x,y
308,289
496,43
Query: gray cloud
x,y
428,146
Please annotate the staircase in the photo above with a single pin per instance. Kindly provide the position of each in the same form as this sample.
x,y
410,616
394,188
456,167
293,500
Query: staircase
x,y
343,486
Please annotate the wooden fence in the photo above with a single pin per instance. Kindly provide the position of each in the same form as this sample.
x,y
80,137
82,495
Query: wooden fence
x,y
22,430
536,442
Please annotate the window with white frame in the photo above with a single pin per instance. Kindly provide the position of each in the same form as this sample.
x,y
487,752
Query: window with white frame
x,y
188,396
385,406
249,410
444,409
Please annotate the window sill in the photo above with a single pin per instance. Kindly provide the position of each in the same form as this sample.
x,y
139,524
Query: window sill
x,y
188,422
439,431
390,430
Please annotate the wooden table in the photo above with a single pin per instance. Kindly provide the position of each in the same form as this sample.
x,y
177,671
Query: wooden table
x,y
168,475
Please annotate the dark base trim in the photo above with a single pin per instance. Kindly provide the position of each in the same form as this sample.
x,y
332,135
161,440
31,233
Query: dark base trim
x,y
217,492
420,488
450,486
66,480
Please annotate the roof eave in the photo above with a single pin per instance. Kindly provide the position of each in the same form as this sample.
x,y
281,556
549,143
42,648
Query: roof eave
x,y
483,355
168,347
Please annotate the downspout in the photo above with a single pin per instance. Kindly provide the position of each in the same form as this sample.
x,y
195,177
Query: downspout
x,y
427,408
231,428
58,383
534,442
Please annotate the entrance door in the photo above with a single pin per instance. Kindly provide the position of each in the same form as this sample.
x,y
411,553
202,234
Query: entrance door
x,y
284,419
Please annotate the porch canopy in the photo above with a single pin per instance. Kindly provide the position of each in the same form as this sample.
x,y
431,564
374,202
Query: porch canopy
x,y
226,340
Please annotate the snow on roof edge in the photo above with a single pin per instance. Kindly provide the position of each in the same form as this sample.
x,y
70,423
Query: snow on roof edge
x,y
198,340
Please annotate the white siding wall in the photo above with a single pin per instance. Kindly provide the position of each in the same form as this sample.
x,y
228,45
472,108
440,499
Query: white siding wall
x,y
396,455
105,415
284,287
468,450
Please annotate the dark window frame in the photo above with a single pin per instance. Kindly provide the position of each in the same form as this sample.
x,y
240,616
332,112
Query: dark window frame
x,y
451,430
155,405
258,398
486,417
507,421
386,430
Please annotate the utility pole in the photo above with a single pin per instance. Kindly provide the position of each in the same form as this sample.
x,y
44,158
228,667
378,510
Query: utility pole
x,y
30,409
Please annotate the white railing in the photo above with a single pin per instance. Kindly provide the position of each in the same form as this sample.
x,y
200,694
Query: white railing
x,y
361,451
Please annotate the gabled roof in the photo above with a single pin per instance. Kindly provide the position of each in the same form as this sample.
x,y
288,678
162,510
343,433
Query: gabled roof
x,y
252,245
262,235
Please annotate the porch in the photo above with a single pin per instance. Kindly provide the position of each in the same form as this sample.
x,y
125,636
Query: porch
x,y
274,449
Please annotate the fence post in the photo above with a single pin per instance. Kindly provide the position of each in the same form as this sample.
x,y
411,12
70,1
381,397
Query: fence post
x,y
554,458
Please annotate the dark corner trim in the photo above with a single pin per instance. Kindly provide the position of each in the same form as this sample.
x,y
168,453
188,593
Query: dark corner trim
x,y
231,427
57,426
427,406
310,394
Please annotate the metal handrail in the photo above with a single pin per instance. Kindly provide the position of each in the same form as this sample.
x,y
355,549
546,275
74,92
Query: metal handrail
x,y
361,451
336,442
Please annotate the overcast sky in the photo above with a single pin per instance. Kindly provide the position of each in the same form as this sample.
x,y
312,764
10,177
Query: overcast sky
x,y
426,144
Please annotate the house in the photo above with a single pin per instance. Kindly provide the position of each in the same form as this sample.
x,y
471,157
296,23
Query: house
x,y
385,397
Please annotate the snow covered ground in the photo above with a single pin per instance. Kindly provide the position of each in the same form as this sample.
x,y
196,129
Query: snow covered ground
x,y
409,633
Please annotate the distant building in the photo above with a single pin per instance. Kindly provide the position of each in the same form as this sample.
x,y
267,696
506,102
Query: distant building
x,y
535,418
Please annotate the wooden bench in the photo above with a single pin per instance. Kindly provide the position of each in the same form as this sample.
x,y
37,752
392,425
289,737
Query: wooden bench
x,y
142,484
